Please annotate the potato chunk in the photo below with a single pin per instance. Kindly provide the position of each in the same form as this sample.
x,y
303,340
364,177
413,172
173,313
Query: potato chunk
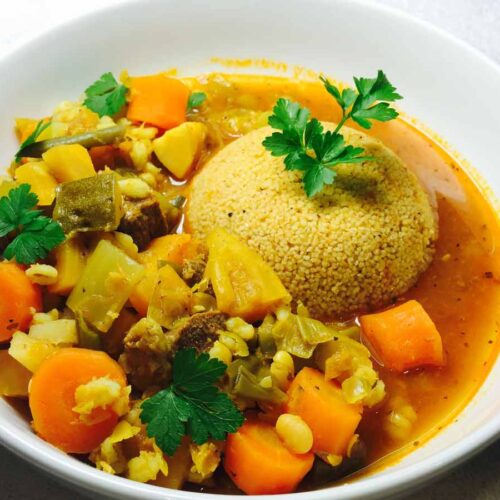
x,y
69,162
178,149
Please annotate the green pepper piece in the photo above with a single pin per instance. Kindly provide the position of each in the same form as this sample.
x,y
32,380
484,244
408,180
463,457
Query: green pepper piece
x,y
87,337
246,385
90,204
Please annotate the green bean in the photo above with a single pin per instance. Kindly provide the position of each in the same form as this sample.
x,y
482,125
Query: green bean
x,y
87,140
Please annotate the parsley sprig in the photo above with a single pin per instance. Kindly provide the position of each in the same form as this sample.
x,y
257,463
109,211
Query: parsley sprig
x,y
35,234
106,96
196,99
305,144
32,138
192,405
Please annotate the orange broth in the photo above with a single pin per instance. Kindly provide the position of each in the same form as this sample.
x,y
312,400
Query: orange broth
x,y
460,290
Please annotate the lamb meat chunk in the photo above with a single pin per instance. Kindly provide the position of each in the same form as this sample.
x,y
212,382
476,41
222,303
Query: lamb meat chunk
x,y
147,354
199,331
193,269
143,220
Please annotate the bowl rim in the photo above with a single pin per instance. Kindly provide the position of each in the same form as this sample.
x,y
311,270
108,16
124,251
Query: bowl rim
x,y
47,458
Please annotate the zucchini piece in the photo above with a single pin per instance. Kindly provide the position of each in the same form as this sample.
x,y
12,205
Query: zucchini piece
x,y
90,204
108,279
87,140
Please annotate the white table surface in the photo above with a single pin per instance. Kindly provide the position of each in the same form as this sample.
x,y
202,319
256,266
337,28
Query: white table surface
x,y
475,21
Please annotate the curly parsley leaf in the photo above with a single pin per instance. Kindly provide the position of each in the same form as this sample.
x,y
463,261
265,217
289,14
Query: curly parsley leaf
x,y
192,405
305,145
106,96
196,99
39,128
36,234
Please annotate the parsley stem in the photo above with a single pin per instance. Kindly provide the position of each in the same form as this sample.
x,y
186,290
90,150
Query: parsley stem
x,y
341,123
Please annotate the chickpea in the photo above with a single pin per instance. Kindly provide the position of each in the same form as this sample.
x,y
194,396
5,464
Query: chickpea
x,y
282,369
295,433
221,352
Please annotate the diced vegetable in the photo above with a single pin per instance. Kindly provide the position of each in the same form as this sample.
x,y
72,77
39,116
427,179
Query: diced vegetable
x,y
403,337
246,382
170,248
6,186
322,406
349,362
87,140
105,285
158,100
59,331
87,337
91,204
171,298
179,466
70,262
243,283
52,399
42,183
69,162
140,297
179,149
30,352
299,335
19,299
14,377
259,463
265,337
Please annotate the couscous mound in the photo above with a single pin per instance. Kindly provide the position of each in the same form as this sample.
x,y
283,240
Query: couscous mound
x,y
356,246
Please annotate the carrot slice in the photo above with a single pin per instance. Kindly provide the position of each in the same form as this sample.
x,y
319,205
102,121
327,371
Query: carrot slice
x,y
158,100
403,337
52,399
19,298
259,463
321,405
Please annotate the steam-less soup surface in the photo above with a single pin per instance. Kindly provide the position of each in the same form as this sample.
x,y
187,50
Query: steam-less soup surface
x,y
192,273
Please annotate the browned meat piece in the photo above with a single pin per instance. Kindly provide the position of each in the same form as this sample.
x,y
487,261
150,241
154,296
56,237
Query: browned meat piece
x,y
147,355
193,269
148,349
143,220
199,331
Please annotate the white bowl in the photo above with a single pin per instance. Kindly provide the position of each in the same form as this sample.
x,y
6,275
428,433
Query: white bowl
x,y
446,84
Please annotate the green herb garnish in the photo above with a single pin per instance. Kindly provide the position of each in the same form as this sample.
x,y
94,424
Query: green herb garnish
x,y
192,405
308,148
106,96
36,234
39,128
196,99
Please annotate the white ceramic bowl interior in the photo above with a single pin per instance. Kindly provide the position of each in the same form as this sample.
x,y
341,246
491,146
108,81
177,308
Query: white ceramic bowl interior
x,y
438,76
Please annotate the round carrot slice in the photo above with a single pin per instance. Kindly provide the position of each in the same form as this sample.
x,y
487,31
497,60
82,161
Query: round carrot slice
x,y
52,399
